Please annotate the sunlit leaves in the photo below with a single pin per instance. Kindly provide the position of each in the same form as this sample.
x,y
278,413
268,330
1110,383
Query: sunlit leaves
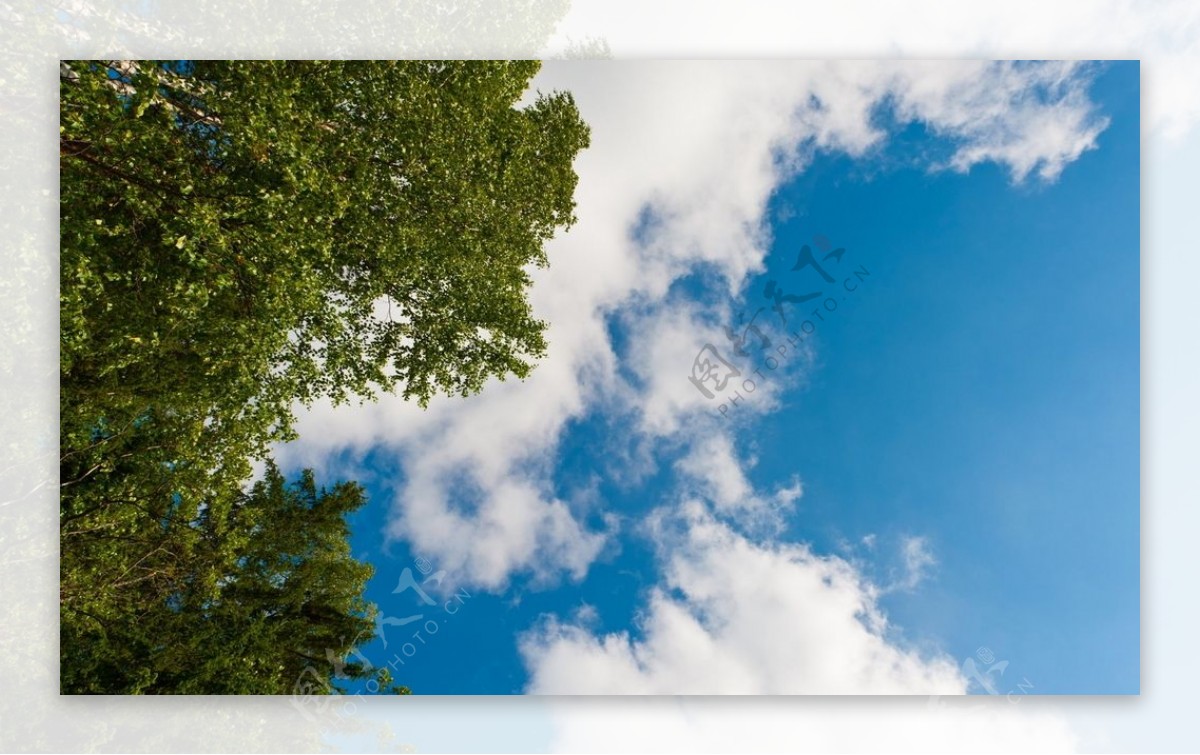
x,y
228,232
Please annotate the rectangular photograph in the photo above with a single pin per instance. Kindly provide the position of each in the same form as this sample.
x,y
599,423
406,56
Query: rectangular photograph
x,y
595,377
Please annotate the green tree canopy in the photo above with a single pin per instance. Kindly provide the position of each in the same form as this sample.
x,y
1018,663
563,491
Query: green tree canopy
x,y
242,597
240,237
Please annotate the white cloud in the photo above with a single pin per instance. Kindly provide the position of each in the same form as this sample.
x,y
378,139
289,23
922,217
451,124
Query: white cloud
x,y
712,469
917,559
1008,121
660,355
712,462
736,617
502,523
700,145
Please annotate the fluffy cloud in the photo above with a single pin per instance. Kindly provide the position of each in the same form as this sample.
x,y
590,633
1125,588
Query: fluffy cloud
x,y
686,154
514,523
737,617
712,469
1008,122
665,341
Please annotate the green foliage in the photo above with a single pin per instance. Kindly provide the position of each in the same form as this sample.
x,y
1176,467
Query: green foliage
x,y
239,597
240,237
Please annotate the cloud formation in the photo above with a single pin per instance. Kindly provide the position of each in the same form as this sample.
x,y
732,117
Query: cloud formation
x,y
917,560
684,158
712,469
1008,122
737,617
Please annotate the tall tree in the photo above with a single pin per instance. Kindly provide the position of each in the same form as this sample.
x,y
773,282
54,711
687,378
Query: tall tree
x,y
241,598
237,237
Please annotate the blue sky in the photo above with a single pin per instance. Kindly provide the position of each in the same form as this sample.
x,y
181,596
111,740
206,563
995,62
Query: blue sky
x,y
950,472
